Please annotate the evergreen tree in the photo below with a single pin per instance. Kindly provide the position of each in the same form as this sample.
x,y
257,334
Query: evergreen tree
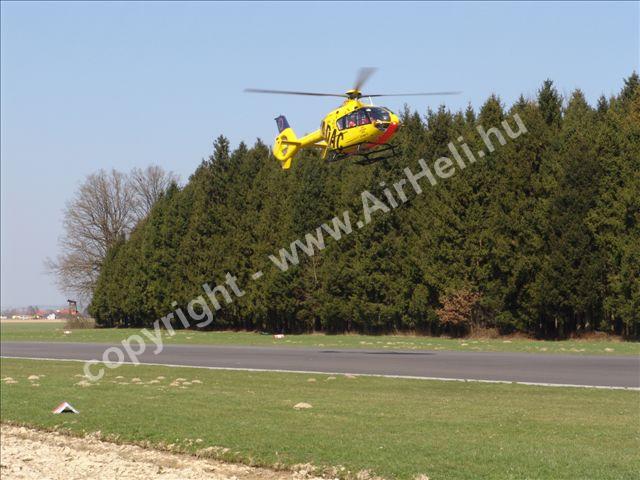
x,y
550,104
541,234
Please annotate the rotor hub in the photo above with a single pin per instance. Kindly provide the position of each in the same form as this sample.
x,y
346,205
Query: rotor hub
x,y
353,94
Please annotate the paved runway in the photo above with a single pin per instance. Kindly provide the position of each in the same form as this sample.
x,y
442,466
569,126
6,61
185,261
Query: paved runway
x,y
584,370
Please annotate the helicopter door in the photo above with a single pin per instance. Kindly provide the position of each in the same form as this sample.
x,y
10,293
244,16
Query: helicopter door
x,y
360,121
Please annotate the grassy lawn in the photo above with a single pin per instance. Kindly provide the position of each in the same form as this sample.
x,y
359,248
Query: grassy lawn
x,y
396,428
47,332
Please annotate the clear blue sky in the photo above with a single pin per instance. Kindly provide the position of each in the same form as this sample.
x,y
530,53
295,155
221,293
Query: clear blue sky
x,y
100,85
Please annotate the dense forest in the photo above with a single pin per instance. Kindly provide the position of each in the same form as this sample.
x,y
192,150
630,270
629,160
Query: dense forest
x,y
542,236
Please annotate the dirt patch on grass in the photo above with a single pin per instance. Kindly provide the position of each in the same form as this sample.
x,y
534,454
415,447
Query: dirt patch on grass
x,y
29,453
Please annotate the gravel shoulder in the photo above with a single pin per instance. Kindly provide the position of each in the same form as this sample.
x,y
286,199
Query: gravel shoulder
x,y
29,453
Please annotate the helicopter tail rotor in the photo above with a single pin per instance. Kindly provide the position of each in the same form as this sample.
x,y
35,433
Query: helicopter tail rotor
x,y
286,144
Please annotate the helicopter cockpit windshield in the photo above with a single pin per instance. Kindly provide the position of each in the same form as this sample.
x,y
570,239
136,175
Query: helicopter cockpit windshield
x,y
378,114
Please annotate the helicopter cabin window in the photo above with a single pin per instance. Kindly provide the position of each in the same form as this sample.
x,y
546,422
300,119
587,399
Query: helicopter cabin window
x,y
354,119
362,118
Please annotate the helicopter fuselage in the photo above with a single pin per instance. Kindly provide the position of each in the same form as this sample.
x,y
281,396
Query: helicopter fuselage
x,y
354,128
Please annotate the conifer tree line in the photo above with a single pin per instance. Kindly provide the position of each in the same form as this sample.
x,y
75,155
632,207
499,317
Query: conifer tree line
x,y
542,236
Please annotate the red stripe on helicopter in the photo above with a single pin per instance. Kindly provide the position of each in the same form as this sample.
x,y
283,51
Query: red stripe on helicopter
x,y
387,134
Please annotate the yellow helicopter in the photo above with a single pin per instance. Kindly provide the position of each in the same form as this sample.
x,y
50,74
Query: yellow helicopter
x,y
354,129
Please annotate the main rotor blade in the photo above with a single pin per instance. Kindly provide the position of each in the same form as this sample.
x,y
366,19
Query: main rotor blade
x,y
363,75
288,92
410,94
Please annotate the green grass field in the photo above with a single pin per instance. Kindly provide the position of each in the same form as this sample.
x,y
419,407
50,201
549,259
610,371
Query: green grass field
x,y
396,428
46,332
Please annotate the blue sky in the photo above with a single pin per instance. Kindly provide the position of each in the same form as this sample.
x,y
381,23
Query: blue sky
x,y
118,85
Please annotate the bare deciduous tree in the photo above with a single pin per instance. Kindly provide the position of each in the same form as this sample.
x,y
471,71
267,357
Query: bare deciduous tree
x,y
104,210
149,185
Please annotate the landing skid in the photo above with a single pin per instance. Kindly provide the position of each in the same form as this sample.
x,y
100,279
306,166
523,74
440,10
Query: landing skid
x,y
366,157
